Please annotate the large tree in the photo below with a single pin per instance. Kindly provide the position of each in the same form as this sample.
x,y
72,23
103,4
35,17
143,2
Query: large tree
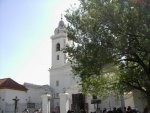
x,y
111,45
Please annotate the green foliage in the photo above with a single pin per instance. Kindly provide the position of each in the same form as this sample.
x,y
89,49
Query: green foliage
x,y
112,32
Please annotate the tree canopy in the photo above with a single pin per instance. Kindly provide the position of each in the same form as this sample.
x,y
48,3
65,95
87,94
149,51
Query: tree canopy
x,y
111,45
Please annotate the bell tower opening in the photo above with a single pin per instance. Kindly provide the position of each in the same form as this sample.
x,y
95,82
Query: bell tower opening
x,y
59,41
58,47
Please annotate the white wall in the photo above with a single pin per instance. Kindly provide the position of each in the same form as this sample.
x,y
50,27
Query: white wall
x,y
11,94
63,76
2,98
32,95
61,39
140,100
129,100
136,99
7,96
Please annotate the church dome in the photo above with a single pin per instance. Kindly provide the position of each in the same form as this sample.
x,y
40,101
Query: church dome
x,y
60,28
56,31
61,24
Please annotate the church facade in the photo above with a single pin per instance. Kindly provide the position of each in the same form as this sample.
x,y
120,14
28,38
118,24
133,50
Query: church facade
x,y
62,80
63,93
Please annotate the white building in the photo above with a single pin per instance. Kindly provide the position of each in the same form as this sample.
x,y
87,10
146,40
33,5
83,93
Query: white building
x,y
13,94
62,81
67,91
63,93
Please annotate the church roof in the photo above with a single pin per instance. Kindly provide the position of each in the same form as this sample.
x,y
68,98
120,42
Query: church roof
x,y
61,24
60,28
8,83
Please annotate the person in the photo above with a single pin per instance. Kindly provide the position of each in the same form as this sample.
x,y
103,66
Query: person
x,y
69,111
98,110
104,111
124,110
119,110
114,110
36,111
110,111
25,111
129,110
146,110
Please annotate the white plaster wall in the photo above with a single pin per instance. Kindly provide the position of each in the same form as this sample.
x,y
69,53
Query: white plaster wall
x,y
34,95
6,102
46,103
11,94
140,100
35,91
63,76
2,100
64,102
2,93
129,101
109,101
61,39
90,106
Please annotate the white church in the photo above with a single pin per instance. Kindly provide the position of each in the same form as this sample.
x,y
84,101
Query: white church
x,y
63,92
66,90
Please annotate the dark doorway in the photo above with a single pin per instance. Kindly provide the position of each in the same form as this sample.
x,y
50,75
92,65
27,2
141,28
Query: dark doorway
x,y
78,103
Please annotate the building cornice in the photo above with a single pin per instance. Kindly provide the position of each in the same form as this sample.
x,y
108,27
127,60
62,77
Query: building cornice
x,y
60,35
66,66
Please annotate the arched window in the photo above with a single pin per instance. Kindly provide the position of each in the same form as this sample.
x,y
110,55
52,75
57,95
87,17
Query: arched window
x,y
58,47
57,57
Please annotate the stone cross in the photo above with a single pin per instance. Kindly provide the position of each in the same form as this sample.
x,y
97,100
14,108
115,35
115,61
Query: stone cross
x,y
16,102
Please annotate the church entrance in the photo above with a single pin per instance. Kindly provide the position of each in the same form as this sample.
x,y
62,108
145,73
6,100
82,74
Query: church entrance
x,y
78,103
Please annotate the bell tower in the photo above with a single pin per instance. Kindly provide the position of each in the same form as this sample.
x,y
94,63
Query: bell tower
x,y
60,69
59,40
61,78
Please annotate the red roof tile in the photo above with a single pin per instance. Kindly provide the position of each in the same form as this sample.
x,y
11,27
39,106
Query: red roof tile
x,y
8,83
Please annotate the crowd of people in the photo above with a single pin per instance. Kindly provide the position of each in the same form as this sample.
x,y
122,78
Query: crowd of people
x,y
120,110
115,110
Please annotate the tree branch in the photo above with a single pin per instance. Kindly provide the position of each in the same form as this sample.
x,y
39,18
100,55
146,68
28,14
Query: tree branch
x,y
135,87
146,69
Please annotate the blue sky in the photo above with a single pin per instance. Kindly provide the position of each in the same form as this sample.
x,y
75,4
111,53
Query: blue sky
x,y
25,30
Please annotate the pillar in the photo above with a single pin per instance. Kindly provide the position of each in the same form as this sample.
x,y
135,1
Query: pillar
x,y
46,103
64,102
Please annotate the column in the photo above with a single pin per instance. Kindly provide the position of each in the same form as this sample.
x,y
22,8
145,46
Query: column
x,y
64,102
46,103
